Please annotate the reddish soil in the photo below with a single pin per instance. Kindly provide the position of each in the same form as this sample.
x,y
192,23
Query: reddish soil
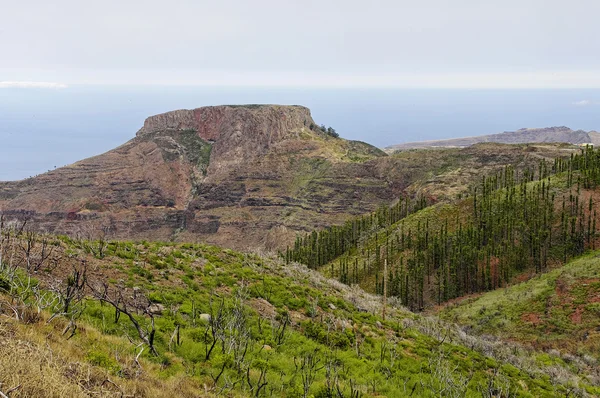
x,y
531,318
576,316
561,288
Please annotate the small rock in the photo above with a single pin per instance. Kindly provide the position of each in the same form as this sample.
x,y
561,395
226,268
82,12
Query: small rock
x,y
344,325
204,317
156,309
331,306
267,347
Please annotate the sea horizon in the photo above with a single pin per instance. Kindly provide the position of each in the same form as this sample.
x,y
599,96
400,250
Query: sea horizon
x,y
46,128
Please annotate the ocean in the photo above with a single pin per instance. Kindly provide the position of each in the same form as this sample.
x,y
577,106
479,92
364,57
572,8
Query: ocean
x,y
41,129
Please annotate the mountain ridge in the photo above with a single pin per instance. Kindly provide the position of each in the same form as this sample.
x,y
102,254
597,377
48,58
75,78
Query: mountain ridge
x,y
224,172
558,134
243,177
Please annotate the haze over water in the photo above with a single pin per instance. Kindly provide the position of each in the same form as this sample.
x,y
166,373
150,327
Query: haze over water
x,y
44,128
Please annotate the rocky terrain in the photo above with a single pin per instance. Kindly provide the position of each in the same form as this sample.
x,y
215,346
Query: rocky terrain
x,y
226,174
522,136
241,177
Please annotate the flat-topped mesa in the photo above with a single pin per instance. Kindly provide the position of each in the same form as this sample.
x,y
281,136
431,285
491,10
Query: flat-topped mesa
x,y
238,133
212,122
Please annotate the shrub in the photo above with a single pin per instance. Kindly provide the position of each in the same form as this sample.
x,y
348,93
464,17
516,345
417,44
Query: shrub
x,y
101,359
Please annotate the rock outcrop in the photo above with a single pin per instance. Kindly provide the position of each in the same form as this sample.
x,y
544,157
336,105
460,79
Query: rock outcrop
x,y
239,176
236,176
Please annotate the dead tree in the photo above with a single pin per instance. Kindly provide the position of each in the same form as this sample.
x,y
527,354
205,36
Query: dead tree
x,y
261,383
279,325
140,304
11,247
36,249
27,245
9,261
216,327
71,294
94,240
44,253
331,377
27,299
4,240
237,338
355,392
497,386
445,380
308,367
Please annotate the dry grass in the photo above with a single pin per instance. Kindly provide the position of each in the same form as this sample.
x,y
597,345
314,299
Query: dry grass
x,y
38,371
38,362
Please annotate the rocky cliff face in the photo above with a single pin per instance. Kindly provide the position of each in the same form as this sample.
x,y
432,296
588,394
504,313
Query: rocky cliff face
x,y
237,133
237,176
220,122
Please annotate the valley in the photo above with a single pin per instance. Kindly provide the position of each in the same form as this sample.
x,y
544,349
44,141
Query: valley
x,y
247,251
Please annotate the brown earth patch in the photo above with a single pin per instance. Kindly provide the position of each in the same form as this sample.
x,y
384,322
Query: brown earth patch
x,y
561,287
531,318
576,316
297,317
456,301
263,307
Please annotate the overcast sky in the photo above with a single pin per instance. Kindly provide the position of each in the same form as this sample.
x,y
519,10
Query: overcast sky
x,y
435,43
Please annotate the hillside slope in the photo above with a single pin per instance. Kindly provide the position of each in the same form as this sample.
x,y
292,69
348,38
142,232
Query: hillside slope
x,y
232,324
522,136
510,222
558,310
442,174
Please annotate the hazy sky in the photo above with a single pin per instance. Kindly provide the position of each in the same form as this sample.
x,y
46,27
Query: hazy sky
x,y
426,43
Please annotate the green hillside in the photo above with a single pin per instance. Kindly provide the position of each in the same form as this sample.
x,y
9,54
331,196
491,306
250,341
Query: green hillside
x,y
509,223
217,322
558,310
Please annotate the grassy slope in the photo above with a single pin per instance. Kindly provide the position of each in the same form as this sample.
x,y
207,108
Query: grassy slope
x,y
402,354
557,310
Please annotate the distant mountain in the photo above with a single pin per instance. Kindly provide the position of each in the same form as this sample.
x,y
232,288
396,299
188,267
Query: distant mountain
x,y
522,136
242,177
232,175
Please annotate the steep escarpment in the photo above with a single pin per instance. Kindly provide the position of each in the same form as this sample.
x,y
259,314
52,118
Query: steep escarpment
x,y
232,175
241,177
238,133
